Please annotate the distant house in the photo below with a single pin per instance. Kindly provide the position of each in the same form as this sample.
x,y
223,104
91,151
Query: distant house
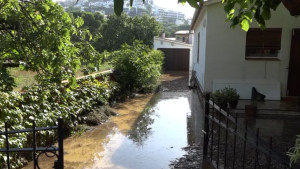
x,y
177,53
268,60
183,36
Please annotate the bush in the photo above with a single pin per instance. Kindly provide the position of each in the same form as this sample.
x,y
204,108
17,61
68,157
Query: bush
x,y
137,68
224,96
45,104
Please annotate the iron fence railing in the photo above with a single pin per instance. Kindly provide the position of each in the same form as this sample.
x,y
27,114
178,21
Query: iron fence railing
x,y
36,151
229,144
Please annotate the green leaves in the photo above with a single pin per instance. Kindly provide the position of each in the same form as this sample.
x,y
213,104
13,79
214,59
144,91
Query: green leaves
x,y
39,36
193,3
131,2
245,25
118,6
137,68
242,12
45,104
266,13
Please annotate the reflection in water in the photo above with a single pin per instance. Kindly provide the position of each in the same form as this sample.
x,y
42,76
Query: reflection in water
x,y
195,120
163,134
141,130
137,139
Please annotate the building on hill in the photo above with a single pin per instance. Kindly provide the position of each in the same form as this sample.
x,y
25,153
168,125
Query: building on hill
x,y
162,14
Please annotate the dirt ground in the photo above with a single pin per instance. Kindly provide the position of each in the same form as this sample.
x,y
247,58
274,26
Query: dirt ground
x,y
175,81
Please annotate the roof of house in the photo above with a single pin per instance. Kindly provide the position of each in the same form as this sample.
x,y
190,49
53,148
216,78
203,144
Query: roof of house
x,y
182,32
198,11
173,41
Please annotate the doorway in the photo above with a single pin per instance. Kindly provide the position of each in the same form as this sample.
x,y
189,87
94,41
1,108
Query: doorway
x,y
294,66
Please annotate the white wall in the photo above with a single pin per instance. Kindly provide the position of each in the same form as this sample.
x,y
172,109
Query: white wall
x,y
225,50
199,67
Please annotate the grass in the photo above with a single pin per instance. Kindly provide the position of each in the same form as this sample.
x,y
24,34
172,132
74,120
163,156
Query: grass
x,y
22,78
26,78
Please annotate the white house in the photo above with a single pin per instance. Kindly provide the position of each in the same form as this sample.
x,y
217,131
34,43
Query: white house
x,y
268,60
178,54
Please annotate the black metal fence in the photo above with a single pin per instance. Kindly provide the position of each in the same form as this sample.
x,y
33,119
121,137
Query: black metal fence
x,y
37,151
231,144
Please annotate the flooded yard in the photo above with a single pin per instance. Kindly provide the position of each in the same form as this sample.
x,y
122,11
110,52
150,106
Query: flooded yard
x,y
149,132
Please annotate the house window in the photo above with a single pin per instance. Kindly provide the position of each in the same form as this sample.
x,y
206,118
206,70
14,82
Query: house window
x,y
263,44
183,39
198,49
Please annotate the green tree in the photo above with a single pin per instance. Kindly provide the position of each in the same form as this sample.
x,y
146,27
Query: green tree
x,y
170,28
36,35
115,32
124,29
92,21
137,68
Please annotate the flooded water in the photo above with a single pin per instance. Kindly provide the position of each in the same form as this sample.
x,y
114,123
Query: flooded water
x,y
157,137
149,132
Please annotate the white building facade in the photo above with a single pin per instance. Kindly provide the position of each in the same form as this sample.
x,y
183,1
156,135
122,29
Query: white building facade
x,y
220,53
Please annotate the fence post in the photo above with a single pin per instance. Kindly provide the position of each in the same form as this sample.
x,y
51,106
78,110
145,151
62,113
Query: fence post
x,y
34,145
244,147
226,139
60,144
256,148
206,126
219,134
270,152
212,131
234,141
7,145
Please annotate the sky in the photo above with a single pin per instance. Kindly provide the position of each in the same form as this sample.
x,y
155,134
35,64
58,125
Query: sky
x,y
173,5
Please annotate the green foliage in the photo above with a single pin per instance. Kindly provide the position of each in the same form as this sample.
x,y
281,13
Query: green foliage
x,y
231,94
7,82
45,104
219,98
137,68
92,21
243,12
37,36
294,152
223,96
124,29
169,28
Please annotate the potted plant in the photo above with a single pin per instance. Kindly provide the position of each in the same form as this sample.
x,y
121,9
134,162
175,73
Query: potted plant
x,y
232,97
219,98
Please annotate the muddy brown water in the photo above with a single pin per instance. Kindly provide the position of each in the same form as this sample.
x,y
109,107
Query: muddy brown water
x,y
149,132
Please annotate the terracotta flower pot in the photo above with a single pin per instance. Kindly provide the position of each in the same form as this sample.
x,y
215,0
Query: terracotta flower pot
x,y
293,6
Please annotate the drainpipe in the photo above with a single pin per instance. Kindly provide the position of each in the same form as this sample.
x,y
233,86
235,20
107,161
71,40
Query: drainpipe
x,y
163,35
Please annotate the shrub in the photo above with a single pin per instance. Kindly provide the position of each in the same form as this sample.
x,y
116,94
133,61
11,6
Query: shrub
x,y
137,68
45,104
224,96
